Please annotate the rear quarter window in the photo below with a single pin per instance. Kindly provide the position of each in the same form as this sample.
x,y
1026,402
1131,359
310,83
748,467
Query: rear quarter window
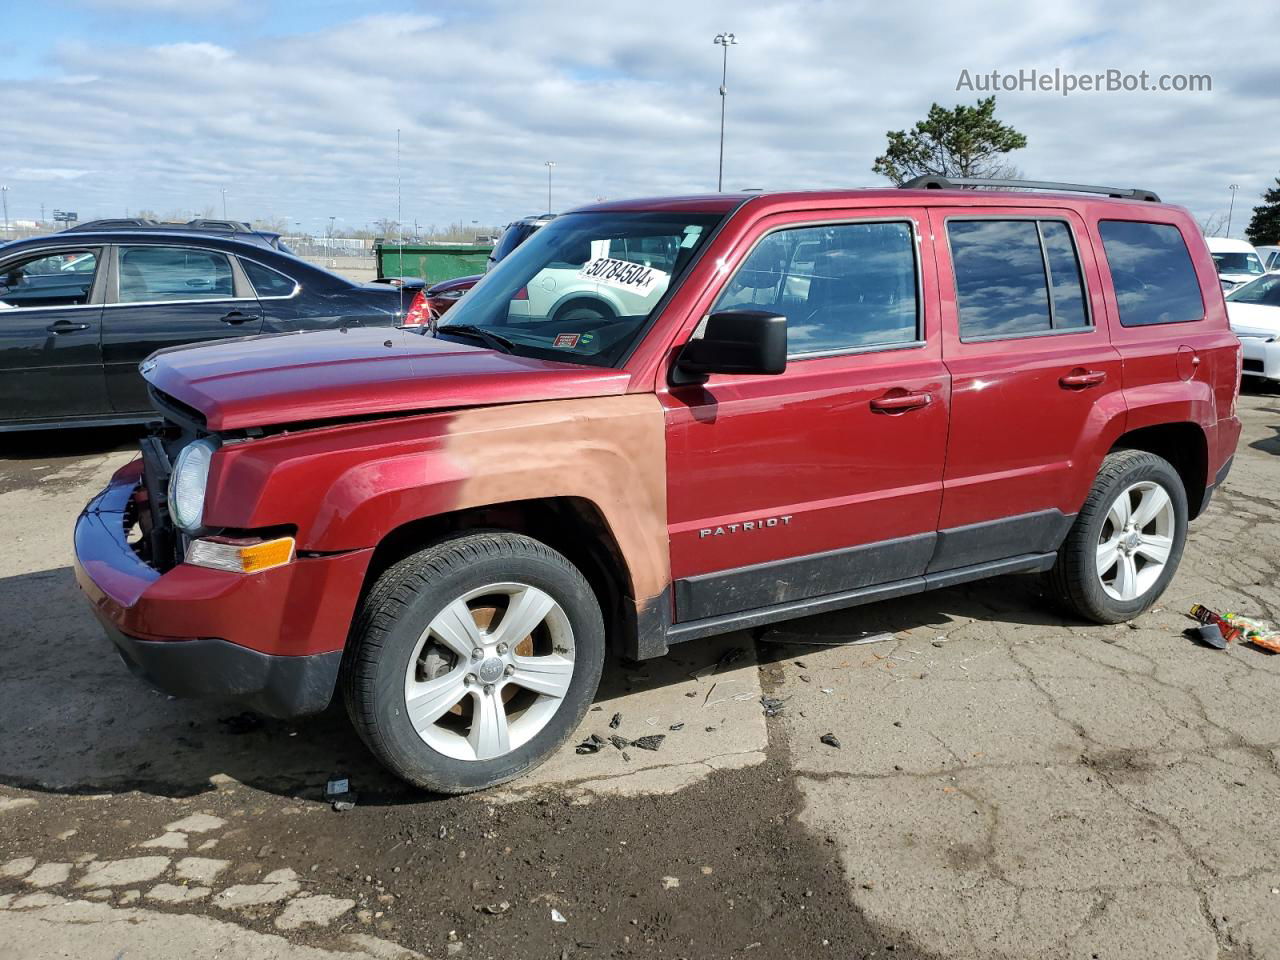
x,y
1151,270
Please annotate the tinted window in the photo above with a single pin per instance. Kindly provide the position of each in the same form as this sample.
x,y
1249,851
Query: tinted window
x,y
49,280
1152,272
173,273
842,286
1000,278
1064,267
267,282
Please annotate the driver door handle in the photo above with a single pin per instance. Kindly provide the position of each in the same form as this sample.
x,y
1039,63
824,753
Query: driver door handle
x,y
900,402
66,326
235,318
1080,379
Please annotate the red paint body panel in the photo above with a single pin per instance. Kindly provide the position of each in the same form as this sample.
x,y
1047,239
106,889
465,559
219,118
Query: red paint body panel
x,y
806,444
261,381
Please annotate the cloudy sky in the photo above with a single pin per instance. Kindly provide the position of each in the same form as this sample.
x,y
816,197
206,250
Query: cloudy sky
x,y
292,107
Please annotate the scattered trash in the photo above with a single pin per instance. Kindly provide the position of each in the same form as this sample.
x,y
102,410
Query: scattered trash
x,y
616,722
557,916
1228,632
831,740
338,793
828,690
652,742
676,726
337,787
1210,634
620,743
772,705
651,721
494,909
443,832
1260,633
670,883
344,805
800,664
626,756
587,746
692,693
241,723
597,739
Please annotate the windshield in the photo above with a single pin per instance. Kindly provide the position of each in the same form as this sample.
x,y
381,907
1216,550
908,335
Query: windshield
x,y
1237,263
1264,290
583,287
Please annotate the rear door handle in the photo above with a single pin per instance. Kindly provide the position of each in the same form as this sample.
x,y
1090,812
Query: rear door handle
x,y
901,402
66,326
1079,379
235,318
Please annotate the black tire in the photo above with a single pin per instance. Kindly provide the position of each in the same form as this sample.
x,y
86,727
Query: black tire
x,y
586,309
1074,577
396,612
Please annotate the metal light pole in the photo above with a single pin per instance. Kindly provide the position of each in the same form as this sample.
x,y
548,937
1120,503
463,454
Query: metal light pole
x,y
1233,188
549,164
4,196
224,202
724,40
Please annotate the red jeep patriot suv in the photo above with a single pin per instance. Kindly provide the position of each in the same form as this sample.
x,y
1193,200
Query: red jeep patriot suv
x,y
659,420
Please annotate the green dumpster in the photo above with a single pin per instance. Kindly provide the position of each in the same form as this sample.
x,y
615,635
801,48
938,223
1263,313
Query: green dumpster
x,y
431,261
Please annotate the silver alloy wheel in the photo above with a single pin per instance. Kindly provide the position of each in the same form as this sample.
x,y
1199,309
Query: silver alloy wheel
x,y
490,671
1136,539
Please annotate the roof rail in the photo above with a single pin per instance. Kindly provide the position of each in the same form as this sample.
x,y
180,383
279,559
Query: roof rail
x,y
143,223
112,223
933,182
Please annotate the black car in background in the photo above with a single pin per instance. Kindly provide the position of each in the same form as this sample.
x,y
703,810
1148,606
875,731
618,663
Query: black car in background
x,y
79,310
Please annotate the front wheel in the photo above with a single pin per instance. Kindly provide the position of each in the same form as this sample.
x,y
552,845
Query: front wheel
x,y
1127,540
473,661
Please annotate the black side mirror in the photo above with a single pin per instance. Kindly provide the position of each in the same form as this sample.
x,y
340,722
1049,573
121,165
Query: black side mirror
x,y
734,341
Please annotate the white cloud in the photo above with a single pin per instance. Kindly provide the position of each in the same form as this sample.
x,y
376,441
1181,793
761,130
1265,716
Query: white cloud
x,y
624,100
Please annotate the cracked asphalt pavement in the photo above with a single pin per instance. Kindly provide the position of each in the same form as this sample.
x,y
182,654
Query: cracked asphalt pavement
x,y
1007,783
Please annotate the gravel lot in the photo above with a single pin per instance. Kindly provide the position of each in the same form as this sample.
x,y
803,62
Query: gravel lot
x,y
1008,783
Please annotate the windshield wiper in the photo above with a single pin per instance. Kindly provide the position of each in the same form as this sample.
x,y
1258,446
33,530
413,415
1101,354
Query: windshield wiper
x,y
494,341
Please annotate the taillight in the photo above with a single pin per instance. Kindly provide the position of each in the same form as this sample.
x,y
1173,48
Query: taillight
x,y
419,315
521,294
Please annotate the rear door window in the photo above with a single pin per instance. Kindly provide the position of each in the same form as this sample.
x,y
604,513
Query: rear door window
x,y
1151,270
1016,278
149,274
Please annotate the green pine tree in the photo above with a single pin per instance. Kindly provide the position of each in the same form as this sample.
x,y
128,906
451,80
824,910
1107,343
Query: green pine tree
x,y
960,142
1264,226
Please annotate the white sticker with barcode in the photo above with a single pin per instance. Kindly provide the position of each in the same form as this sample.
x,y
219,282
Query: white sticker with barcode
x,y
623,274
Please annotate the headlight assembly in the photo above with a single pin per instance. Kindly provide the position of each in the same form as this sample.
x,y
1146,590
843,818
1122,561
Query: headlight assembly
x,y
187,484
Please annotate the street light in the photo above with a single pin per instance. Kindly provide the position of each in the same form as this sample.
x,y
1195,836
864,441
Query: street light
x,y
224,202
4,195
549,164
1233,188
724,40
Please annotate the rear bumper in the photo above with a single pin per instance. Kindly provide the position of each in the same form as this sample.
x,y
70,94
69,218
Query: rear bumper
x,y
272,640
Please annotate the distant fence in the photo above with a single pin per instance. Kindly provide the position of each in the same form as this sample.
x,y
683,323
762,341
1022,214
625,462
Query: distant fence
x,y
330,246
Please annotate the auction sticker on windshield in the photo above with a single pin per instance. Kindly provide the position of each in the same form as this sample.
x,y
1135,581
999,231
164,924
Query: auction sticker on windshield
x,y
623,274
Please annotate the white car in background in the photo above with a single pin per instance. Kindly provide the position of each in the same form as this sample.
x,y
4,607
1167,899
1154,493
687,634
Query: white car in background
x,y
1236,260
1270,258
1254,313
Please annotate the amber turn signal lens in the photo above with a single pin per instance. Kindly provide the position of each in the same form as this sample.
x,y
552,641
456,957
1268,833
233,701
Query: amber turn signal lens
x,y
241,556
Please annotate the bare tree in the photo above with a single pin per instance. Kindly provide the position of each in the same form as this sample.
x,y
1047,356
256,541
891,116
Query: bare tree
x,y
1214,225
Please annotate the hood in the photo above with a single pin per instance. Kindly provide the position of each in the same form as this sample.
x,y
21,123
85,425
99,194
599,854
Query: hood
x,y
1257,319
297,377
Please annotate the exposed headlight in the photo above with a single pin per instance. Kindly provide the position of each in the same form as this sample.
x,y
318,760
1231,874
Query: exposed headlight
x,y
187,484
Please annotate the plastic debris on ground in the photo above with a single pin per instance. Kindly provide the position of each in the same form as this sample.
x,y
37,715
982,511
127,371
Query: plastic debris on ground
x,y
1211,636
587,746
831,740
772,705
616,722
1259,633
676,726
620,743
652,742
338,793
1229,632
557,916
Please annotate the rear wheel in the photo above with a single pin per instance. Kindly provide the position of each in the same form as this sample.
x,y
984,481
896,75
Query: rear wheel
x,y
585,311
1127,540
473,660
